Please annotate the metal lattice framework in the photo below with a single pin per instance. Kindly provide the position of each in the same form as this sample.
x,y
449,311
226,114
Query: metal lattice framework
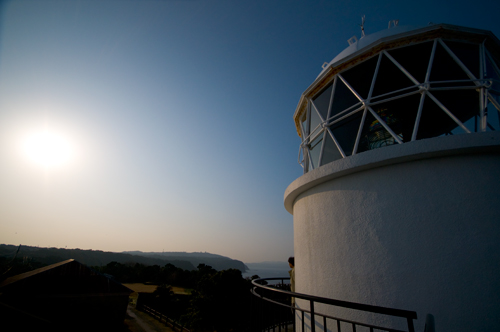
x,y
421,90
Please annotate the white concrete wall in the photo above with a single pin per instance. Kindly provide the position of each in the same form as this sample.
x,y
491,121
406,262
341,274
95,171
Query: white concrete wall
x,y
414,226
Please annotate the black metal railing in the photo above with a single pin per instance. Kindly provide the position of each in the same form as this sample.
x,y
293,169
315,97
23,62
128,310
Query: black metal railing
x,y
174,324
273,311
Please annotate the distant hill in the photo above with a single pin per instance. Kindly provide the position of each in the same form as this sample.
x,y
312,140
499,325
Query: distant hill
x,y
218,262
186,261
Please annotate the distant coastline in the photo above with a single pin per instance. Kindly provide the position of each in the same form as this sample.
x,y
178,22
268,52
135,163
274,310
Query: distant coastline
x,y
267,270
183,260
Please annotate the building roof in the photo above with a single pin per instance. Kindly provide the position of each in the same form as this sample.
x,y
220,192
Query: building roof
x,y
67,276
25,275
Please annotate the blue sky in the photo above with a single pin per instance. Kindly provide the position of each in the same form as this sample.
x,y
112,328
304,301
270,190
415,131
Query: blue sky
x,y
179,114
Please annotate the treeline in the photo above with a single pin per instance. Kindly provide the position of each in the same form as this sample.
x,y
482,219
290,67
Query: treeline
x,y
13,266
47,256
219,300
169,274
218,262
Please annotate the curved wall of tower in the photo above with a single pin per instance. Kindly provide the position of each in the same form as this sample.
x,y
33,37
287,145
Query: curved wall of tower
x,y
398,206
413,226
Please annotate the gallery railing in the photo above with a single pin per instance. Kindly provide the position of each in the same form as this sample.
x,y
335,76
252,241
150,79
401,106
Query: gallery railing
x,y
273,311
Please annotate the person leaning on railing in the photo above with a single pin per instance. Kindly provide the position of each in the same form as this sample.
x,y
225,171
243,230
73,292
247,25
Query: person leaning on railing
x,y
291,262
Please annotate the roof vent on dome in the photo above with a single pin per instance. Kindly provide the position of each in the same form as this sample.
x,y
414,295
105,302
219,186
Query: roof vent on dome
x,y
393,24
352,40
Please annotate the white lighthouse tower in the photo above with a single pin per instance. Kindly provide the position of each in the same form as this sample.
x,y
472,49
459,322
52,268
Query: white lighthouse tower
x,y
399,204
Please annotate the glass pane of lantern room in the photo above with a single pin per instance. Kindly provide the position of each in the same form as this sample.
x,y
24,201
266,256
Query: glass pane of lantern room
x,y
464,104
330,151
314,151
346,131
400,115
374,135
493,53
415,59
491,72
343,98
468,55
322,101
303,125
390,78
473,124
360,76
493,117
444,68
435,122
314,119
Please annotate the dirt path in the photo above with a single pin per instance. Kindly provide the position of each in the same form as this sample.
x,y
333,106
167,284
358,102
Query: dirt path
x,y
138,321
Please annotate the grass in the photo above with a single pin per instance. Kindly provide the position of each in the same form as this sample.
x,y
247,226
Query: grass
x,y
141,288
148,288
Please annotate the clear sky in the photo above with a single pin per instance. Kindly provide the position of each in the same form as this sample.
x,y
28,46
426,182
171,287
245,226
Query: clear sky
x,y
170,122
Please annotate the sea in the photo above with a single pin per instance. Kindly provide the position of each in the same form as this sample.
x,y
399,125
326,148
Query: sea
x,y
267,270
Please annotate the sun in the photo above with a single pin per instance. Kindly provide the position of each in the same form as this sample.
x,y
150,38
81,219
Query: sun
x,y
48,149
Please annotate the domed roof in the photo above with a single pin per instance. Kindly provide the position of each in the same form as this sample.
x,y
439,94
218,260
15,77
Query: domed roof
x,y
393,33
397,86
393,37
374,38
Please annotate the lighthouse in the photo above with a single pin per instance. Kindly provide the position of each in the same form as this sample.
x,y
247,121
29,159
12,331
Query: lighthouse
x,y
399,203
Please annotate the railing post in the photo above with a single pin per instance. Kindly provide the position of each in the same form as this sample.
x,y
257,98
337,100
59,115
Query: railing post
x,y
280,317
302,311
253,318
410,325
262,311
429,323
313,320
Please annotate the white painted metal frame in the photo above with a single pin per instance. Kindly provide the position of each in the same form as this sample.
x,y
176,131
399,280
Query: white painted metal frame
x,y
483,85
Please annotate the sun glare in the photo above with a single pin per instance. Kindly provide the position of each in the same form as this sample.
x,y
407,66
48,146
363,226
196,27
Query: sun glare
x,y
48,149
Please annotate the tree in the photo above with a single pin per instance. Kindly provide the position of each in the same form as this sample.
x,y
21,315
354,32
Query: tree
x,y
220,301
165,299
